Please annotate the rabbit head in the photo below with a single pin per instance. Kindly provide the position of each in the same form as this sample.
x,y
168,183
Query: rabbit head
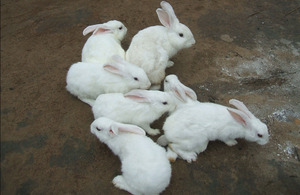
x,y
105,129
159,101
180,36
177,89
134,75
256,131
114,27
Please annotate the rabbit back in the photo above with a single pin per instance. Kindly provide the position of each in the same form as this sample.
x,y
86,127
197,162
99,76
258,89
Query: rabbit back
x,y
150,52
100,48
145,166
205,121
116,107
88,80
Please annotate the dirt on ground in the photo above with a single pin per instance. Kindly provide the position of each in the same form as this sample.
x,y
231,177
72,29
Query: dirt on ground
x,y
247,50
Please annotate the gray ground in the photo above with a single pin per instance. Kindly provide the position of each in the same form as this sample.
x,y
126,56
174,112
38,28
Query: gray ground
x,y
248,50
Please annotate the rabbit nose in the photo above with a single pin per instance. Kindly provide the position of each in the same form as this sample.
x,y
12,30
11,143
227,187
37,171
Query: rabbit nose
x,y
148,84
193,41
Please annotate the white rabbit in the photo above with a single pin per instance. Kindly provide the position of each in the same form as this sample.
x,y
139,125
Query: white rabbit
x,y
181,93
139,107
152,47
189,129
88,80
145,166
104,42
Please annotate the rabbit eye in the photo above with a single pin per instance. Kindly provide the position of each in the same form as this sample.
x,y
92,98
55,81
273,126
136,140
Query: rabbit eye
x,y
181,34
121,28
259,135
166,81
165,103
135,78
98,129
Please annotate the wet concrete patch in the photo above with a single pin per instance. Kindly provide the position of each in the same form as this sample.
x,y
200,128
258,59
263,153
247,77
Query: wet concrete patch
x,y
288,174
60,23
7,147
73,150
26,187
7,110
219,179
221,26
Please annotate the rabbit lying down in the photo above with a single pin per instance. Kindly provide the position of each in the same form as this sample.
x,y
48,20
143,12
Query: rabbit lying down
x,y
145,166
138,107
188,130
88,80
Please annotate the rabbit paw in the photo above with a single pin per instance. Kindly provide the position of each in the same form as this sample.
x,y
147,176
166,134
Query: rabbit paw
x,y
153,131
119,182
231,142
189,156
162,141
155,87
172,156
170,64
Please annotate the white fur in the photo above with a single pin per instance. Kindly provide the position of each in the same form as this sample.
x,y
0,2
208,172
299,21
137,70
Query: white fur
x,y
145,167
182,94
88,80
152,47
139,107
104,42
189,129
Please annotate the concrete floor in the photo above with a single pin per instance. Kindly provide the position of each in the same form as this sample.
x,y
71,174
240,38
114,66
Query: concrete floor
x,y
248,50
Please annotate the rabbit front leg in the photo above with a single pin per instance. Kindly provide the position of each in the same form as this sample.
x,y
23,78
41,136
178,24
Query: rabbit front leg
x,y
170,64
150,130
230,142
90,102
154,87
162,141
121,183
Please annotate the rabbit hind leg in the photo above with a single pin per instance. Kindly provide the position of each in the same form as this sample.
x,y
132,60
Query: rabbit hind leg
x,y
121,183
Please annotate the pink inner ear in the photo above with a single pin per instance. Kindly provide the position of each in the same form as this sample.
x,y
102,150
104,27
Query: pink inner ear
x,y
237,117
101,31
164,18
189,92
132,129
178,94
110,67
136,98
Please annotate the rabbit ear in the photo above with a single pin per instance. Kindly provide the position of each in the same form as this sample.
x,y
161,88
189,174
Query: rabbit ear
x,y
119,127
189,92
179,93
182,92
138,96
163,17
102,30
118,59
115,68
96,29
241,106
170,12
89,29
239,116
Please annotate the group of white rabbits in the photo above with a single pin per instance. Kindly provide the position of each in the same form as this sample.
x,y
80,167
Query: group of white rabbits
x,y
115,83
